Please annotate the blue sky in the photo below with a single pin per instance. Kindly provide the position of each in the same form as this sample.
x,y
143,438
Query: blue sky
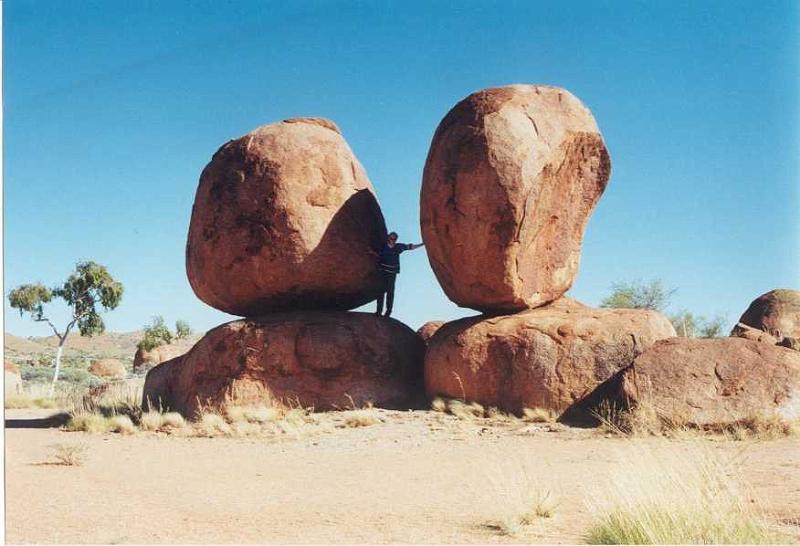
x,y
112,109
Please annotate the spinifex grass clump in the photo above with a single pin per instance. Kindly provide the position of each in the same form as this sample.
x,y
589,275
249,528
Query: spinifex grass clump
x,y
676,494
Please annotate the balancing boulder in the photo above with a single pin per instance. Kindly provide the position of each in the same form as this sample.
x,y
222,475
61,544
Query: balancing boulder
x,y
324,360
512,175
715,382
285,218
549,357
108,368
156,355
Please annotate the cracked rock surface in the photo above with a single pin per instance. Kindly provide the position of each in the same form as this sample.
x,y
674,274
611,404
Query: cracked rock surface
x,y
284,218
324,360
512,175
706,382
550,357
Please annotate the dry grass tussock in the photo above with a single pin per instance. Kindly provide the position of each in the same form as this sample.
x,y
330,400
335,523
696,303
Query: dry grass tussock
x,y
37,396
667,493
645,420
473,410
524,501
68,454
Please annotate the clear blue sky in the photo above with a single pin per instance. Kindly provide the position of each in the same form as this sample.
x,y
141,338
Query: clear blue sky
x,y
112,109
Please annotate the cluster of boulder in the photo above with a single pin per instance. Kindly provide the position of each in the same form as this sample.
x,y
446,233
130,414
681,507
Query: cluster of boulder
x,y
283,232
511,179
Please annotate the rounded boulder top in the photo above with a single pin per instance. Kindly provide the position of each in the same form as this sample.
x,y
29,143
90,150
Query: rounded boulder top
x,y
285,218
512,176
777,312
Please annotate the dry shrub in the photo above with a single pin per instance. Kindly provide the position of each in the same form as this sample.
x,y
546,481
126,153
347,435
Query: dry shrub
x,y
762,427
668,494
213,424
439,405
121,424
362,418
521,496
462,410
28,402
88,422
69,454
262,414
539,415
151,421
172,420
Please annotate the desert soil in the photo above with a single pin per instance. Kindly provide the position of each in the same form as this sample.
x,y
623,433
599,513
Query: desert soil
x,y
417,477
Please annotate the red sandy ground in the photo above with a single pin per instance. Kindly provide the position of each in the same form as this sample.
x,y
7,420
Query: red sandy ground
x,y
418,477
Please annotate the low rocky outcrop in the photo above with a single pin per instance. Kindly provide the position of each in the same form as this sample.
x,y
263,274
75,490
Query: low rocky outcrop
x,y
427,330
714,382
157,355
12,379
108,368
285,218
549,357
324,360
512,176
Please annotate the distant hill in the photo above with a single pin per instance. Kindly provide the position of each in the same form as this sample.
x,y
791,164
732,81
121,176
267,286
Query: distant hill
x,y
119,345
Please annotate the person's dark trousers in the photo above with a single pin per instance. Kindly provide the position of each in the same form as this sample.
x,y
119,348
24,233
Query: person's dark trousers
x,y
388,290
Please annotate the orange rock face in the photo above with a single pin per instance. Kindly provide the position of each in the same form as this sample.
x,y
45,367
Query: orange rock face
x,y
324,360
157,355
512,175
706,382
108,367
549,357
777,313
285,218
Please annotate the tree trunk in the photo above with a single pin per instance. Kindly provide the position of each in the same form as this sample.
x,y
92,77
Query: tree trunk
x,y
58,365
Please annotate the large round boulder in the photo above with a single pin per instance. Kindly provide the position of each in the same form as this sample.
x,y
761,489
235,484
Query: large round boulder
x,y
156,355
714,382
550,357
777,313
285,218
512,175
108,368
324,360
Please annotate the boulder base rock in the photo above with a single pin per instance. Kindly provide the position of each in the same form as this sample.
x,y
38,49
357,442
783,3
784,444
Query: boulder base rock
x,y
512,175
427,330
324,360
777,313
108,368
157,355
713,382
549,357
285,218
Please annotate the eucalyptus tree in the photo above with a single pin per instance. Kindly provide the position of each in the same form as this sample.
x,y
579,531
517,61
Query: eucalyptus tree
x,y
88,288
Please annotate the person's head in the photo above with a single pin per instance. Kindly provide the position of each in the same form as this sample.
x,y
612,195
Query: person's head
x,y
391,238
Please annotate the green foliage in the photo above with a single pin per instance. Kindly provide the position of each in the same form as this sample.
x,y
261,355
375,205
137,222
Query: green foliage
x,y
155,334
638,295
89,286
182,329
30,298
689,325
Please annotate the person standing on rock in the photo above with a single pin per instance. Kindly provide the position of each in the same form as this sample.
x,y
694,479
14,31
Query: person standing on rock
x,y
389,266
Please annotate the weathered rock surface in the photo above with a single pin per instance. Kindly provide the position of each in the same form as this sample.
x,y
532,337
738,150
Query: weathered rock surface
x,y
12,379
284,219
712,382
777,313
549,357
108,367
427,330
157,355
324,360
512,175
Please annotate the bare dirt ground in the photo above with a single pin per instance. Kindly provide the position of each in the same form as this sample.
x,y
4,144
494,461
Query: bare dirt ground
x,y
418,477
